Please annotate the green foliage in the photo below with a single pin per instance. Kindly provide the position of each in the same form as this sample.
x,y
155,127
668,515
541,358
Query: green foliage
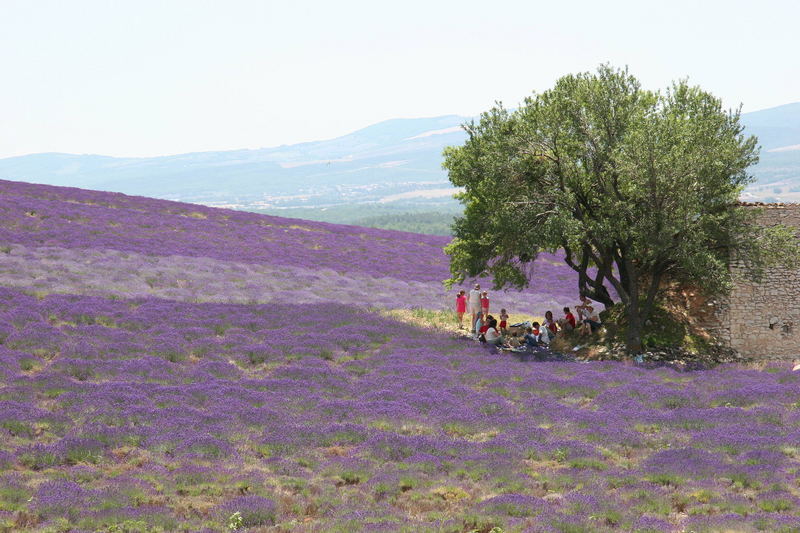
x,y
235,521
38,459
569,527
250,518
17,428
82,454
431,223
560,455
132,526
474,523
27,364
774,506
743,482
640,186
349,477
408,483
450,493
665,479
662,329
13,498
585,463
416,218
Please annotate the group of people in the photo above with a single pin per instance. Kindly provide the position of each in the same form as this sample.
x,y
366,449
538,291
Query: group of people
x,y
487,329
476,301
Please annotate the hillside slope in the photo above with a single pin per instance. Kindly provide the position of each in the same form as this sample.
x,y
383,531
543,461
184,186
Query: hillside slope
x,y
141,246
168,367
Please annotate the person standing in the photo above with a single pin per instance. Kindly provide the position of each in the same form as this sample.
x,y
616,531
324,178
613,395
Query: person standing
x,y
461,307
485,303
474,301
503,322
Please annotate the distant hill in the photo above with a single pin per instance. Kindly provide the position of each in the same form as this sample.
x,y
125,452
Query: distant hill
x,y
775,127
389,162
778,171
393,167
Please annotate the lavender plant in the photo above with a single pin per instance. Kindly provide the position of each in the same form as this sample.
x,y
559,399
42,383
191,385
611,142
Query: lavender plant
x,y
159,411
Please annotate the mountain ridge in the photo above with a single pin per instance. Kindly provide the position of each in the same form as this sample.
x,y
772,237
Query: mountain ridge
x,y
386,162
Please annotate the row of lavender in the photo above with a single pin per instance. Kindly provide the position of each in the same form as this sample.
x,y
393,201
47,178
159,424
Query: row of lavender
x,y
156,415
74,218
112,273
51,228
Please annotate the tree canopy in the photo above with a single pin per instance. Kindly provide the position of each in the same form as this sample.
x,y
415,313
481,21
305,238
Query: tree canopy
x,y
637,187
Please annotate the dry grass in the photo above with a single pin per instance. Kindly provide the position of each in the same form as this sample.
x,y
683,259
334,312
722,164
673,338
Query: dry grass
x,y
447,321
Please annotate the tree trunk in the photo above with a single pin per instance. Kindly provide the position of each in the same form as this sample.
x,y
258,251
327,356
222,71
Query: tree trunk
x,y
593,288
633,338
600,294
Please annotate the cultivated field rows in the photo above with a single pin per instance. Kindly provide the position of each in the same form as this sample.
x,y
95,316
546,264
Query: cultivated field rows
x,y
151,381
202,279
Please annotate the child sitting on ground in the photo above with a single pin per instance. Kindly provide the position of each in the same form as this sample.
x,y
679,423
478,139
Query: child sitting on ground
x,y
487,323
479,322
533,336
503,321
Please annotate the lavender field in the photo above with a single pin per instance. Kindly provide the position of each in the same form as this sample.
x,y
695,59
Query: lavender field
x,y
168,367
57,239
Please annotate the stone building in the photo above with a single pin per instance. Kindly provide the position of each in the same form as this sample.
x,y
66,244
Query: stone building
x,y
761,319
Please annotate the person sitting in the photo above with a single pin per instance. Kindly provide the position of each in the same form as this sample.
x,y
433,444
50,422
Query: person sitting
x,y
581,308
488,320
591,321
492,335
550,326
567,323
478,323
533,337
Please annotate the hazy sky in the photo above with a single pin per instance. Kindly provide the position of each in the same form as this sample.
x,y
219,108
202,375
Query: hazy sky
x,y
163,77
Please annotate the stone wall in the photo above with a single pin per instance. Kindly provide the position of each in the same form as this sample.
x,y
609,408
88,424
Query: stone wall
x,y
761,319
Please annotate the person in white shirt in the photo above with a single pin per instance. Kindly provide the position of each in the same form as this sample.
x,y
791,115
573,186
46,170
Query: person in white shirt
x,y
589,317
492,335
474,302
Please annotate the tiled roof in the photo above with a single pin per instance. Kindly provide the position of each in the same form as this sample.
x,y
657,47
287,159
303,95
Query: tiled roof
x,y
770,205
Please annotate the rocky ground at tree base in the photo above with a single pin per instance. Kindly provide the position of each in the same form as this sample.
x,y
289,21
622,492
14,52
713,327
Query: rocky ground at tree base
x,y
683,359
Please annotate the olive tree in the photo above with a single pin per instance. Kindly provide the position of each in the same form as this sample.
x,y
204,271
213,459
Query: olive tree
x,y
636,187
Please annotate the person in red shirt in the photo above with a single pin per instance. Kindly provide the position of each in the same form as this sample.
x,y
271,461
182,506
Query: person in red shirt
x,y
486,323
550,324
485,303
461,308
569,318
